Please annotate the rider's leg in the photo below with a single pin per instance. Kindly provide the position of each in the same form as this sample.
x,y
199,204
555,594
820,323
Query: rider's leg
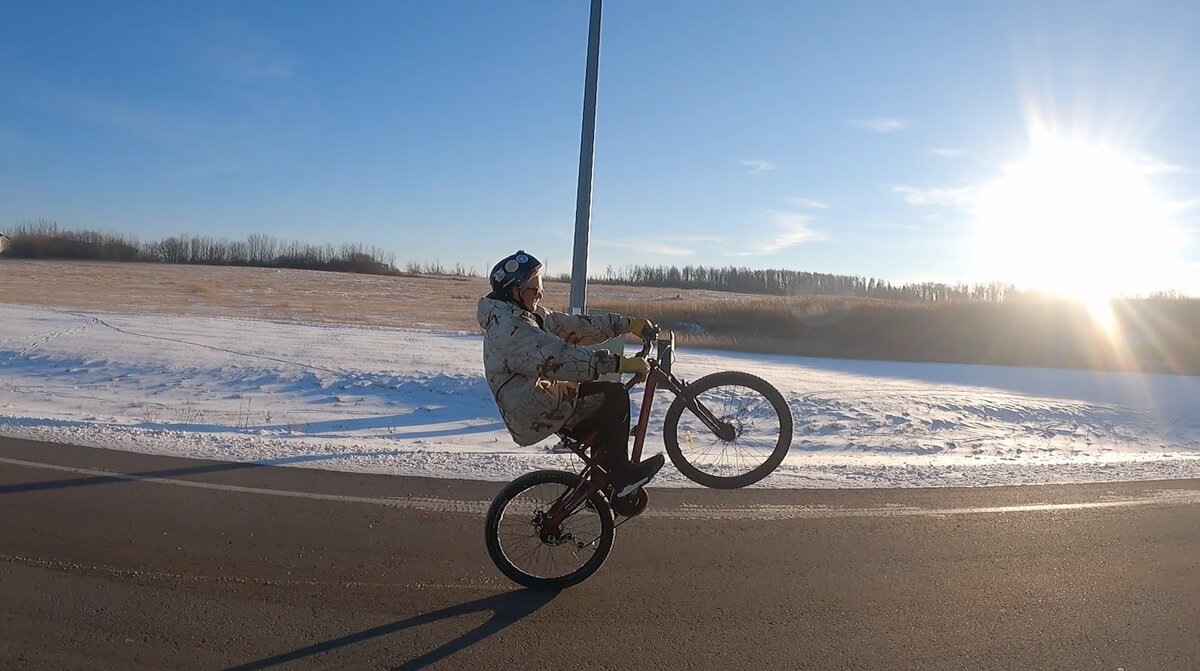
x,y
602,413
609,420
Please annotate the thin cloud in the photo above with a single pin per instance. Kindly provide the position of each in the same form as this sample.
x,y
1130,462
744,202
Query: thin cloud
x,y
940,196
1182,205
139,121
907,227
879,124
779,230
697,238
1149,165
948,152
757,166
809,203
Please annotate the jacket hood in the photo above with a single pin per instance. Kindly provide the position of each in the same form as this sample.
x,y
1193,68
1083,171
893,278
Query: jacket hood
x,y
490,305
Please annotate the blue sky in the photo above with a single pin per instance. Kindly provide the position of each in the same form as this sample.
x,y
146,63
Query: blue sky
x,y
842,137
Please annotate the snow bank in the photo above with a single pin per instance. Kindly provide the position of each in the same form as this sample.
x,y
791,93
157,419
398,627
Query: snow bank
x,y
415,403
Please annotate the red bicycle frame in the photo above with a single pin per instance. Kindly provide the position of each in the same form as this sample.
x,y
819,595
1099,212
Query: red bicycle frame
x,y
595,478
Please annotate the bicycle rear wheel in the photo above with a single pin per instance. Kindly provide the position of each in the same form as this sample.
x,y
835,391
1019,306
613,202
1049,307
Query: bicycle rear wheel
x,y
520,545
755,430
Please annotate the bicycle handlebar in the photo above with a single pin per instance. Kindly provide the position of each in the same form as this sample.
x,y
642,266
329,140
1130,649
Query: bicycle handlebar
x,y
649,335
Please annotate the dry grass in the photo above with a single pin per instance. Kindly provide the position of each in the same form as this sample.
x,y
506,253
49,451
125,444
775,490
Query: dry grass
x,y
1162,335
284,295
1151,335
197,288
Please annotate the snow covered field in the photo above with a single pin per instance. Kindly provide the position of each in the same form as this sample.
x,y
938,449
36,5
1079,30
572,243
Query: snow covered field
x,y
386,400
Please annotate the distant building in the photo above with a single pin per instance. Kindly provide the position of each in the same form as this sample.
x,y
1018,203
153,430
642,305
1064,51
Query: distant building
x,y
4,242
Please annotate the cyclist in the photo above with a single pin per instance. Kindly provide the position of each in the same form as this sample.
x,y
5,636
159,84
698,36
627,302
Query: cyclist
x,y
543,379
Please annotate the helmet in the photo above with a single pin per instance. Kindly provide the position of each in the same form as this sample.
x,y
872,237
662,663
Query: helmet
x,y
513,270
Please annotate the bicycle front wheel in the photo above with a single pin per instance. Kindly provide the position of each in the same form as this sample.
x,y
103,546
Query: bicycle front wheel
x,y
753,430
525,551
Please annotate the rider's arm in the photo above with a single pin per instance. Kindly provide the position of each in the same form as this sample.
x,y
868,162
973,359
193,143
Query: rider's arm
x,y
528,350
584,329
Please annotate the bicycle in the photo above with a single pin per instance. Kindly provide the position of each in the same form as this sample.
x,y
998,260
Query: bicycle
x,y
549,519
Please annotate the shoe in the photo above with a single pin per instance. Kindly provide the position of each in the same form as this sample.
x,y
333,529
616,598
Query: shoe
x,y
628,477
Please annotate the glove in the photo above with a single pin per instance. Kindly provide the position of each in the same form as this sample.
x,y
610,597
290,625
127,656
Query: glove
x,y
633,364
637,325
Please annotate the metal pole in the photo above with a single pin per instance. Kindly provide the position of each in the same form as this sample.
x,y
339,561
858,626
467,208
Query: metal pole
x,y
587,147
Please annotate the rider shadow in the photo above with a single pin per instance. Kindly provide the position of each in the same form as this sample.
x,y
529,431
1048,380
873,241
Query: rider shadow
x,y
506,609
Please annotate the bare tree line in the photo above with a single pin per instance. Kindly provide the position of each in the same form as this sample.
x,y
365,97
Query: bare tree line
x,y
777,282
42,240
436,268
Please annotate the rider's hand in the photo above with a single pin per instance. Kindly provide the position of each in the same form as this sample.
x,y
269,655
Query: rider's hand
x,y
633,364
637,325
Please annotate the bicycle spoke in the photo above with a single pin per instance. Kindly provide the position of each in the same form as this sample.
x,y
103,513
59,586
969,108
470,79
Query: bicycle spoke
x,y
754,419
521,541
532,550
553,562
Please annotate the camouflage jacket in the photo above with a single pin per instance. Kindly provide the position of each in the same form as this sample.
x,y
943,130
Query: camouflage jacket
x,y
534,362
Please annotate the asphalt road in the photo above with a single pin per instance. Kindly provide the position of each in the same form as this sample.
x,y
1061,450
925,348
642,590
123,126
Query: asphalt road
x,y
112,560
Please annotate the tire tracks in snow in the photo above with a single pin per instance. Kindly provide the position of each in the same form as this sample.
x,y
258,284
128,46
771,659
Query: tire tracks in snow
x,y
88,323
306,366
118,329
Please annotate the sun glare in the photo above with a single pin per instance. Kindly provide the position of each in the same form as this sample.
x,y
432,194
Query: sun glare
x,y
1076,219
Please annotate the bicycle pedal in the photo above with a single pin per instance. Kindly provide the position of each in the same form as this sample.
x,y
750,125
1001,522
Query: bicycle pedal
x,y
632,505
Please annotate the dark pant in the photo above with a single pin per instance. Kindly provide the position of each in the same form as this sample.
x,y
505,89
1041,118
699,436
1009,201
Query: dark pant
x,y
609,422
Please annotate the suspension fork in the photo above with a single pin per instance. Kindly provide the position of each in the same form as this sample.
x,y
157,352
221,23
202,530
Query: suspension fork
x,y
721,429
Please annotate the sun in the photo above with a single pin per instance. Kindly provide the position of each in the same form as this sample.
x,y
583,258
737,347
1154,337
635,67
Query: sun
x,y
1077,219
